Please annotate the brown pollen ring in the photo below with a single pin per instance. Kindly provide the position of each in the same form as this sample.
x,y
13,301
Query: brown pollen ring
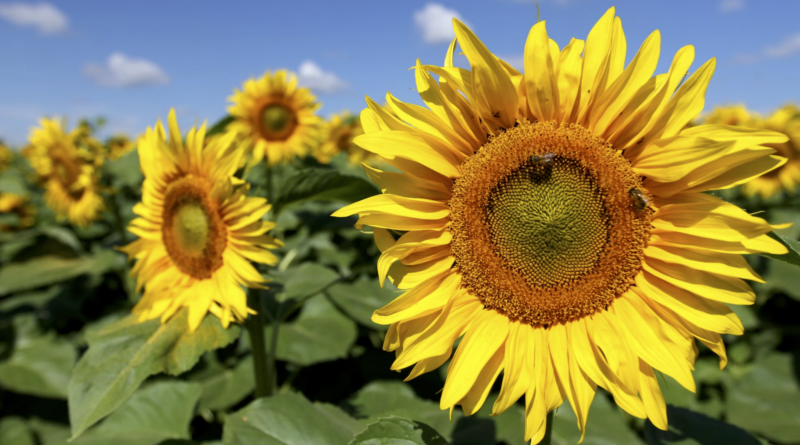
x,y
274,119
187,206
544,226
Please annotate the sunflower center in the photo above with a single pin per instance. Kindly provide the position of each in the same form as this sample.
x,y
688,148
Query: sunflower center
x,y
545,225
277,122
193,232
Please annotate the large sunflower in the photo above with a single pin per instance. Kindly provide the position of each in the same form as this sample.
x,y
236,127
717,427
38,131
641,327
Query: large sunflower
x,y
68,172
275,117
729,115
339,133
787,121
555,219
197,228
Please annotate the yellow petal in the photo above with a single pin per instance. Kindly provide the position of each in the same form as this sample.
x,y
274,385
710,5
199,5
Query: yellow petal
x,y
730,265
516,380
429,295
568,77
651,396
411,146
707,285
595,57
540,82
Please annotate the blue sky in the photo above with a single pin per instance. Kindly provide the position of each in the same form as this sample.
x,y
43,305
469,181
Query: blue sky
x,y
132,61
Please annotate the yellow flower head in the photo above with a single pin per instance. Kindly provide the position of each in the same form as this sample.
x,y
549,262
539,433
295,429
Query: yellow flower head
x,y
729,115
785,120
197,228
18,205
555,219
118,146
338,137
276,118
68,173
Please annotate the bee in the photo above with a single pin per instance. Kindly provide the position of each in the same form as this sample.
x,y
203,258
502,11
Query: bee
x,y
546,159
640,201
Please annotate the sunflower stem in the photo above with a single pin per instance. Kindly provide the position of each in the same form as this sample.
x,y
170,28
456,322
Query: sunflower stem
x,y
255,327
548,431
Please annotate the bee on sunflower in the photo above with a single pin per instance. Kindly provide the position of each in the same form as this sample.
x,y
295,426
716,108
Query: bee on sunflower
x,y
555,220
198,230
68,171
275,118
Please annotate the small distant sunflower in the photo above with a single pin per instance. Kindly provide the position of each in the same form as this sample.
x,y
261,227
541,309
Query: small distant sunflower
x,y
556,220
6,157
11,203
118,146
785,120
339,133
197,228
729,115
275,117
68,172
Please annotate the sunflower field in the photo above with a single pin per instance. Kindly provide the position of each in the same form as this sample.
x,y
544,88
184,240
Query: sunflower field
x,y
576,252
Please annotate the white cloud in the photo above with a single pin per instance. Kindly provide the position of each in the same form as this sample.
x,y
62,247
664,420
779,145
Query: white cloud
x,y
517,61
786,48
731,5
311,75
436,22
123,71
42,16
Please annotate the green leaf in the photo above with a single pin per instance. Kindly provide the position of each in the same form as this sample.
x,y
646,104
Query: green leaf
x,y
782,216
304,280
361,298
289,419
126,170
47,270
155,413
320,334
398,431
49,433
392,398
123,354
606,425
782,277
35,299
766,399
14,431
793,257
40,365
228,387
690,428
220,125
323,184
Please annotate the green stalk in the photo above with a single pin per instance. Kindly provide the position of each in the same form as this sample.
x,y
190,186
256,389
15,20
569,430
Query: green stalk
x,y
548,432
255,327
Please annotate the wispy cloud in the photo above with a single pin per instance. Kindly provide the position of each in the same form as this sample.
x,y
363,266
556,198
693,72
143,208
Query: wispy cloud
x,y
311,75
123,71
43,16
436,23
726,6
786,48
517,61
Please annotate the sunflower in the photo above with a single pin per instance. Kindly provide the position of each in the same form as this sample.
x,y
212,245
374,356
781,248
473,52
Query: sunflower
x,y
339,133
118,146
275,117
785,120
17,205
197,228
728,115
68,172
555,220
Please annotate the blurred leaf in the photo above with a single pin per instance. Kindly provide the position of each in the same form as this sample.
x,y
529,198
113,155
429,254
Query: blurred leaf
x,y
228,387
157,412
35,299
320,334
123,354
392,398
677,395
605,426
323,184
793,257
14,431
398,431
784,215
361,298
289,419
784,278
690,428
13,181
39,365
304,280
746,314
766,399
474,430
219,126
48,270
126,171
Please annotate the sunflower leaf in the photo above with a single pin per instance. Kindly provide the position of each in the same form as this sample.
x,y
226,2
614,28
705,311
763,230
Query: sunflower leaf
x,y
323,184
289,419
690,428
50,269
360,298
14,430
793,257
397,430
123,354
